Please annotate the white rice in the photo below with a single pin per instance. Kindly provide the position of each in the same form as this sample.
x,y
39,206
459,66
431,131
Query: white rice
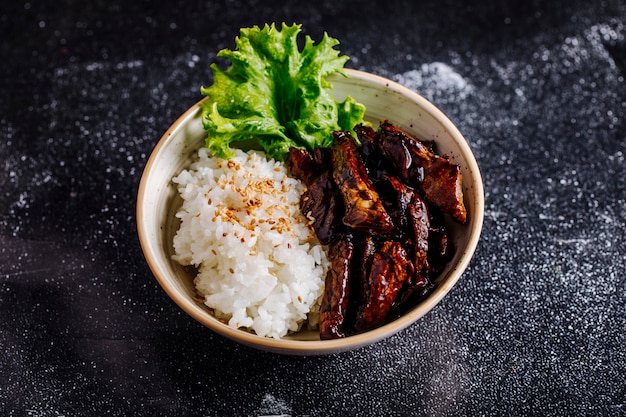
x,y
259,264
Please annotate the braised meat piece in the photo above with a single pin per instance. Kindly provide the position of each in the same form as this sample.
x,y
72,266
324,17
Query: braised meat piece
x,y
440,247
322,205
396,197
420,226
363,207
419,284
335,300
301,164
444,189
388,273
306,165
376,166
360,286
416,290
321,156
366,136
406,155
440,179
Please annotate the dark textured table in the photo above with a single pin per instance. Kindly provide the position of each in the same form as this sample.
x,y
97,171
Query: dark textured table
x,y
537,324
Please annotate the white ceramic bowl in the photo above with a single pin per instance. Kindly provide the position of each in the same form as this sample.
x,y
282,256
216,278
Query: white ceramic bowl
x,y
158,201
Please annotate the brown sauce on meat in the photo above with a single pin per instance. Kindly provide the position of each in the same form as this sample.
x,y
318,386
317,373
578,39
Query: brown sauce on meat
x,y
378,201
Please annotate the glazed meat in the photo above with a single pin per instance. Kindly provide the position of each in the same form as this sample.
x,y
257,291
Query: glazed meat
x,y
337,289
414,162
379,203
440,248
322,205
444,189
397,198
307,166
420,225
376,165
388,272
363,207
302,165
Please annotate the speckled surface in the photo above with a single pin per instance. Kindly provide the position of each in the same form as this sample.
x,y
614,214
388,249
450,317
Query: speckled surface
x,y
537,324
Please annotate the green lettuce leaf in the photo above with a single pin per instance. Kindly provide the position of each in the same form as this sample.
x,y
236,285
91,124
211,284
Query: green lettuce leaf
x,y
277,94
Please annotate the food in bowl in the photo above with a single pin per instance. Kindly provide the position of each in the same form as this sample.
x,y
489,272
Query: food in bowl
x,y
159,200
260,232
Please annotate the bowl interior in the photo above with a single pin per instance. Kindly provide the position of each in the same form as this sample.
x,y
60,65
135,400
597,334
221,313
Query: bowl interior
x,y
158,202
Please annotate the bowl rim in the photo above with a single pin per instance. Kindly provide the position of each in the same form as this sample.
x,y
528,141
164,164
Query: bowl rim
x,y
315,347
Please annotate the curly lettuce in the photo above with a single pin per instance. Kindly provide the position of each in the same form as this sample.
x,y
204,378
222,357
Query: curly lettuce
x,y
276,94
